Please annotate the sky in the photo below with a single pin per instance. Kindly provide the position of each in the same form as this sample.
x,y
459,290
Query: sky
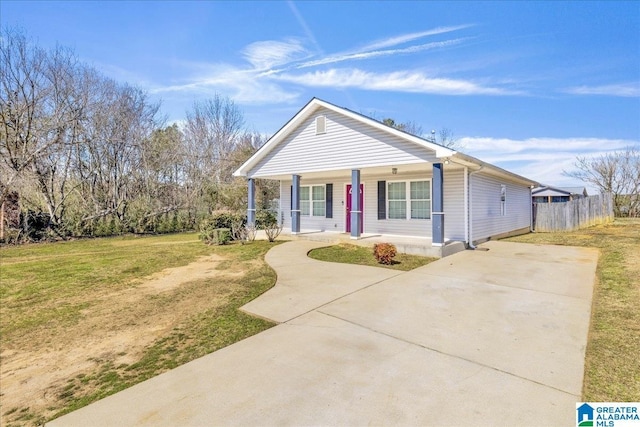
x,y
527,86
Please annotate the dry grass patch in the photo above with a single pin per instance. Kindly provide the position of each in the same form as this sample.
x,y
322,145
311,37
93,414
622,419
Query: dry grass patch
x,y
612,366
82,320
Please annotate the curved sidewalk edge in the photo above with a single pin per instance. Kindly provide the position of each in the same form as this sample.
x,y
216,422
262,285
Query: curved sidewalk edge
x,y
305,284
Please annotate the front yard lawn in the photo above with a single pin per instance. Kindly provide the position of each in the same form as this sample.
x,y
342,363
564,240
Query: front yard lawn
x,y
83,319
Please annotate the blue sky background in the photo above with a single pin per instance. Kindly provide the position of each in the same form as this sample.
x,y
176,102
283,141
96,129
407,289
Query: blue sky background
x,y
524,85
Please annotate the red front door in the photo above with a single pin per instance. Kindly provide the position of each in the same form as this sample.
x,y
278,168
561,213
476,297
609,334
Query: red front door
x,y
348,197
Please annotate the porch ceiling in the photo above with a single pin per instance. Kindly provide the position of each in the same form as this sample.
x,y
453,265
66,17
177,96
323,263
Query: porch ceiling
x,y
402,169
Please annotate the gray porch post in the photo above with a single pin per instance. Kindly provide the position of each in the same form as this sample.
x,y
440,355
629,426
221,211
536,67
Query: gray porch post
x,y
295,205
356,209
437,216
251,209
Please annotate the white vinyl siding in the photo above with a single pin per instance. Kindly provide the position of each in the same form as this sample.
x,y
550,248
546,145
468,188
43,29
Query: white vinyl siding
x,y
486,206
347,144
397,227
454,217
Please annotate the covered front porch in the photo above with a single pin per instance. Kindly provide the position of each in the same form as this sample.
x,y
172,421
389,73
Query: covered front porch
x,y
405,201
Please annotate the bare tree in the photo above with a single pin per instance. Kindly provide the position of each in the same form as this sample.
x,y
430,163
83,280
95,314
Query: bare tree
x,y
110,161
213,131
410,127
617,173
162,175
448,139
233,195
86,151
446,136
41,107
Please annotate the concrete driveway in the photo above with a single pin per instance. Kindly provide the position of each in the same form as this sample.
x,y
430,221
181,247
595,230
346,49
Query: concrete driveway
x,y
491,337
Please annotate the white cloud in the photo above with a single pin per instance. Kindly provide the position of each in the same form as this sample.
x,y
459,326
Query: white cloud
x,y
404,38
243,86
541,159
379,53
624,90
506,146
401,81
264,55
272,65
549,173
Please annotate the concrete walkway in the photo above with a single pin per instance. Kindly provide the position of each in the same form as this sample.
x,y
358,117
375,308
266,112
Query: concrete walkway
x,y
491,337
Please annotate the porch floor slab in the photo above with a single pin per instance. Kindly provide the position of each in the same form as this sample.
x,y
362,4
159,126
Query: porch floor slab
x,y
404,244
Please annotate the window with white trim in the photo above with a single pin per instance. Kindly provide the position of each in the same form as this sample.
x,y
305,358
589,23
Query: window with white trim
x,y
409,199
420,192
312,200
397,197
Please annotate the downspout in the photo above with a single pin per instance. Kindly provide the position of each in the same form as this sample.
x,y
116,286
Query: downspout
x,y
531,210
466,203
471,206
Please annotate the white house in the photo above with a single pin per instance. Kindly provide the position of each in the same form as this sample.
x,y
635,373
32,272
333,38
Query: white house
x,y
408,186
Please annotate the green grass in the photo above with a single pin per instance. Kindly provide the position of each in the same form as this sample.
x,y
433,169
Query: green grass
x,y
612,367
48,291
41,282
353,254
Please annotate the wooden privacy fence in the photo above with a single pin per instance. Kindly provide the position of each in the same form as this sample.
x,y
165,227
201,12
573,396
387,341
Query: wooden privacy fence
x,y
567,216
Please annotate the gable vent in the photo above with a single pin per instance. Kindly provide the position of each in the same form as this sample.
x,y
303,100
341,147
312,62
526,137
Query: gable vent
x,y
321,125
